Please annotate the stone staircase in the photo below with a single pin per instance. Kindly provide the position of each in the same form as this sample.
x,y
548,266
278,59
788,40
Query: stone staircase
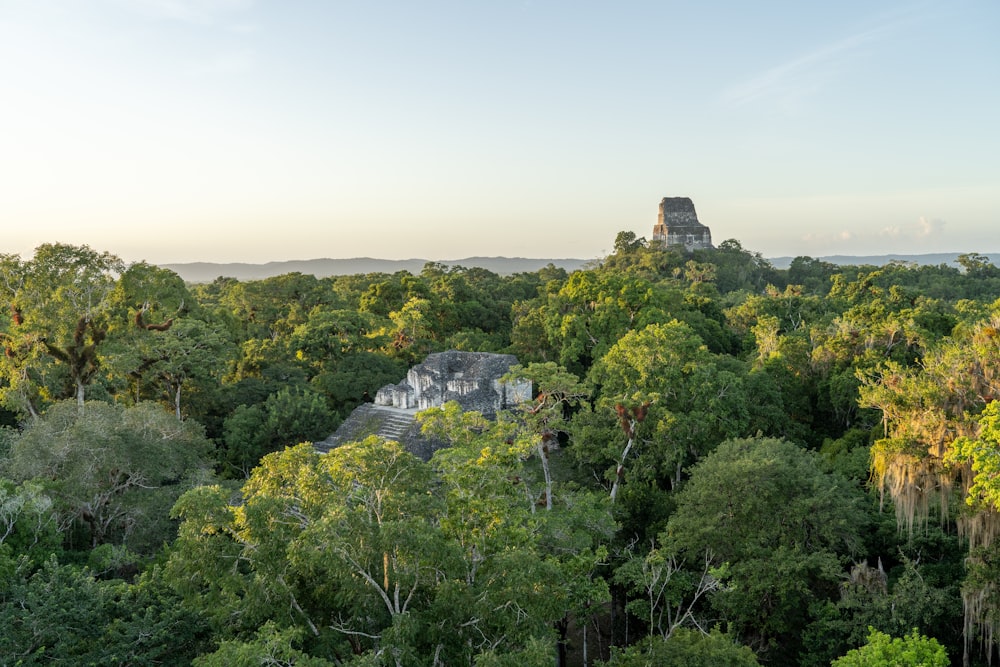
x,y
394,426
369,419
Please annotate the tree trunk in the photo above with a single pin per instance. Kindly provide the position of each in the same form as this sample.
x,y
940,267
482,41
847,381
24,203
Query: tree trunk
x,y
543,454
620,470
177,401
80,392
562,627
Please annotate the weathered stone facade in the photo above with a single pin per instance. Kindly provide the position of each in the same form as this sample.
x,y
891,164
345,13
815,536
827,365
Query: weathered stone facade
x,y
677,225
472,379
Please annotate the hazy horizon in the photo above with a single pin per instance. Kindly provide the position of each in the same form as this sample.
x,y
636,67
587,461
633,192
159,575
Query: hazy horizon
x,y
178,131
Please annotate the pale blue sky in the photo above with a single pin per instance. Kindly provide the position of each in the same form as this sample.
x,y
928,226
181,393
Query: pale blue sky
x,y
256,130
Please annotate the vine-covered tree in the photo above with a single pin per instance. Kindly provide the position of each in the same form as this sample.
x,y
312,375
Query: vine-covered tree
x,y
59,302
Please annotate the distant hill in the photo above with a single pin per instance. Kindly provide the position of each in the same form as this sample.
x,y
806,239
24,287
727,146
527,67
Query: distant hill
x,y
203,272
932,259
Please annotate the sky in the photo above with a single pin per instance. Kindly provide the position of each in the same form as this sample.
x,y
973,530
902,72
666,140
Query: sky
x,y
267,130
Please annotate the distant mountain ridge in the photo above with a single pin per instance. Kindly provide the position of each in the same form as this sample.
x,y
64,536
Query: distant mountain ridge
x,y
203,272
930,259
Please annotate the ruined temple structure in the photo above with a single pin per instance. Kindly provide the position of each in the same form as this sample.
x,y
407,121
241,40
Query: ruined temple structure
x,y
472,379
677,226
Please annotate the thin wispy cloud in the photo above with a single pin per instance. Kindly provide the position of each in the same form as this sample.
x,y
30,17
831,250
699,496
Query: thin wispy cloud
x,y
791,81
203,12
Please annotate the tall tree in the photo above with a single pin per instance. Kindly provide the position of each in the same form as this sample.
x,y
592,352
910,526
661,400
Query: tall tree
x,y
673,398
111,471
59,319
785,528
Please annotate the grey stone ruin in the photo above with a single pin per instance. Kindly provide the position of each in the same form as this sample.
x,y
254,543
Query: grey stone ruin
x,y
472,379
677,226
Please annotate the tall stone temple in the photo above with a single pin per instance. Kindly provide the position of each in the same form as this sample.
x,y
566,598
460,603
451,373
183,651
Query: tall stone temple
x,y
677,226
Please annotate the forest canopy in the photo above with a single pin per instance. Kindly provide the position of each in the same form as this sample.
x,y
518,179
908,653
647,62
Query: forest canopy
x,y
721,462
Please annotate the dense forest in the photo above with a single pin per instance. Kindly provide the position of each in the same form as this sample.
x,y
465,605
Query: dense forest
x,y
722,463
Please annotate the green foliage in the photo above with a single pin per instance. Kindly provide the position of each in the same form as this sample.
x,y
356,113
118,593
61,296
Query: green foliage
x,y
777,568
913,650
270,646
373,553
912,595
691,401
28,521
519,533
286,418
686,648
63,615
160,364
982,455
59,304
626,242
112,472
355,379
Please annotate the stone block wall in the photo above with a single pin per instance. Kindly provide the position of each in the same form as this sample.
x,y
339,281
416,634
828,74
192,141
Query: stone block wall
x,y
470,378
677,225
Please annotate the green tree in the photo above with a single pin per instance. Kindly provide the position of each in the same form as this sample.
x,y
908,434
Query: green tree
x,y
557,392
626,242
28,521
111,471
158,340
777,568
913,650
412,329
924,595
371,553
934,442
977,266
673,398
59,304
65,615
270,646
686,648
982,455
287,417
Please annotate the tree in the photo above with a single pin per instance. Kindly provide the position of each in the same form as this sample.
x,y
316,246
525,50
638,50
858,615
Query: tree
x,y
673,400
270,646
59,306
508,547
370,553
977,266
111,471
686,648
66,615
557,392
777,568
412,332
913,650
28,522
981,455
737,268
812,274
287,417
626,242
922,593
666,593
933,442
